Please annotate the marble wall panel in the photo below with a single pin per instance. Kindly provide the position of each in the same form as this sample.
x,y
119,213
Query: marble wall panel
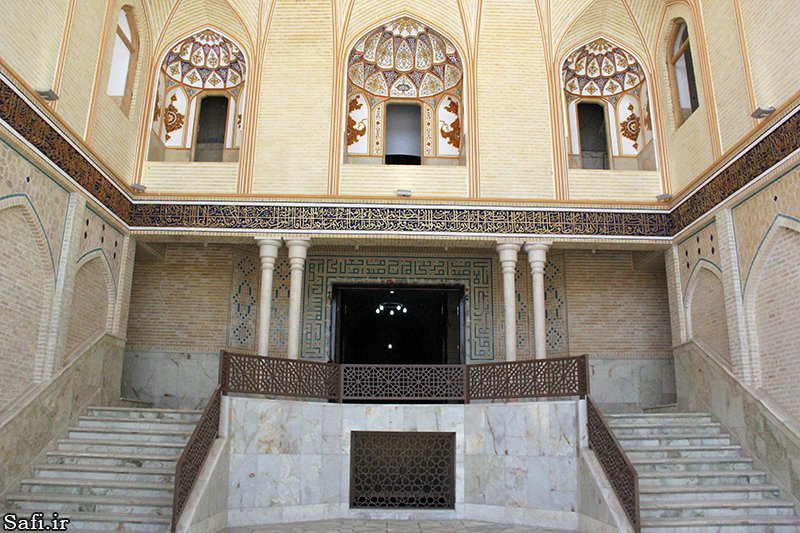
x,y
180,380
629,384
290,460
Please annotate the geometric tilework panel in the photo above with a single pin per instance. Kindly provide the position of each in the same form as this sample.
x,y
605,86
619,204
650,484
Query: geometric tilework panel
x,y
474,273
243,305
279,317
555,305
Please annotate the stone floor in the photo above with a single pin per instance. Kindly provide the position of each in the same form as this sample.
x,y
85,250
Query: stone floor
x,y
393,526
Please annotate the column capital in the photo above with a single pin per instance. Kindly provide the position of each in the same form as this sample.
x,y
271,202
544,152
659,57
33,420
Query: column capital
x,y
508,251
537,253
268,250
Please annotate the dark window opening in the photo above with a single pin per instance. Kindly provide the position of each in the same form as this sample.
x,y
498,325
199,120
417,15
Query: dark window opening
x,y
403,134
211,124
594,141
398,325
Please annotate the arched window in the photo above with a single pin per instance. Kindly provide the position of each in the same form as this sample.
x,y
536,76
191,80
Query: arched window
x,y
123,60
681,73
199,100
594,140
607,109
404,94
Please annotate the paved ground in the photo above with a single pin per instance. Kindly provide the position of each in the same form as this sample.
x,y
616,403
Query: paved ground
x,y
393,526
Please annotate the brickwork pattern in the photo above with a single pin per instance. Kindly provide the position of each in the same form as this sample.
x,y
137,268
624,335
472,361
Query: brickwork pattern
x,y
709,322
89,310
49,199
613,308
777,317
98,234
22,302
753,217
699,246
182,302
243,311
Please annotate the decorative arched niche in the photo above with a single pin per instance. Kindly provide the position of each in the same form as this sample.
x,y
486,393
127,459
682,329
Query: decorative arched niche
x,y
199,100
608,109
404,94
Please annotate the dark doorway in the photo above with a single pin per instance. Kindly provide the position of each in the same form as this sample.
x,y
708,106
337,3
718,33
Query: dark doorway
x,y
211,124
403,134
403,325
594,141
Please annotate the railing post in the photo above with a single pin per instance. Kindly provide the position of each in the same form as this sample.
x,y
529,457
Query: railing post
x,y
466,383
222,379
341,383
585,376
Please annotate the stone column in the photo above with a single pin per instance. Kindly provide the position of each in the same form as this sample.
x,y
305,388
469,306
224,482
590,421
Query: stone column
x,y
298,249
268,251
508,260
537,255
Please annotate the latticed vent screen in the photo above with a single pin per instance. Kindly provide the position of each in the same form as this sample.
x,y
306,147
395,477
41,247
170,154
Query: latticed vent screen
x,y
411,470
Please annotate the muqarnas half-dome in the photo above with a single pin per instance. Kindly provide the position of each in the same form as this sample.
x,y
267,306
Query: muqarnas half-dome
x,y
601,68
404,59
206,60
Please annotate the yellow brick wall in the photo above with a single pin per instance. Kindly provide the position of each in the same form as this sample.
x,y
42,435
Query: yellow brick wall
x,y
88,313
689,145
37,29
771,33
709,322
613,308
21,302
727,71
294,114
80,64
626,185
182,301
115,135
384,180
777,317
195,178
513,104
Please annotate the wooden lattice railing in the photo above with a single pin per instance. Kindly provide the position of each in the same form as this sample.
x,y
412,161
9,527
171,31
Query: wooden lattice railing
x,y
618,468
194,455
275,376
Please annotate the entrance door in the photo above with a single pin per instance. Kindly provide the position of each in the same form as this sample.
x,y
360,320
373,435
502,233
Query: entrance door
x,y
404,325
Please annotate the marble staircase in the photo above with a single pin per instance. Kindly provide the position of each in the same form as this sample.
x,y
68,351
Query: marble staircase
x,y
693,479
114,471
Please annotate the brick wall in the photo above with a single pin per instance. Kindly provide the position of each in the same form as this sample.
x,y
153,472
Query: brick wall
x,y
21,302
777,316
182,301
613,308
708,320
88,313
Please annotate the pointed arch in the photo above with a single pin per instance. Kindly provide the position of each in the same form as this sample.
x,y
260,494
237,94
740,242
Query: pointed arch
x,y
782,227
706,316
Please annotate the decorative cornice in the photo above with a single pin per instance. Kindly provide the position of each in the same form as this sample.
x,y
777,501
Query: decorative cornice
x,y
31,124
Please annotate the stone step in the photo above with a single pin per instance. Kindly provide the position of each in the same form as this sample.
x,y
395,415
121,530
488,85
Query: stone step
x,y
697,509
145,435
702,478
148,413
691,428
156,424
88,522
630,441
659,419
677,452
105,473
120,446
693,464
723,524
64,504
112,459
709,492
98,487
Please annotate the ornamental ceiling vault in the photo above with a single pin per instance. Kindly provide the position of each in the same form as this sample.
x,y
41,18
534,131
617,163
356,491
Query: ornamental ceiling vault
x,y
601,69
404,59
205,60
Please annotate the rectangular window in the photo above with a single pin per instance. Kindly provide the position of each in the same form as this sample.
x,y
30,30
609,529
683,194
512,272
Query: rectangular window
x,y
403,134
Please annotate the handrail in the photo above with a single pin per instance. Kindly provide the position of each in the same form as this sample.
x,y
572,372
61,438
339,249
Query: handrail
x,y
618,468
276,376
194,455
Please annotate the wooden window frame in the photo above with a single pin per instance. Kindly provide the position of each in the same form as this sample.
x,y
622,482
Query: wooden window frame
x,y
672,59
132,45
